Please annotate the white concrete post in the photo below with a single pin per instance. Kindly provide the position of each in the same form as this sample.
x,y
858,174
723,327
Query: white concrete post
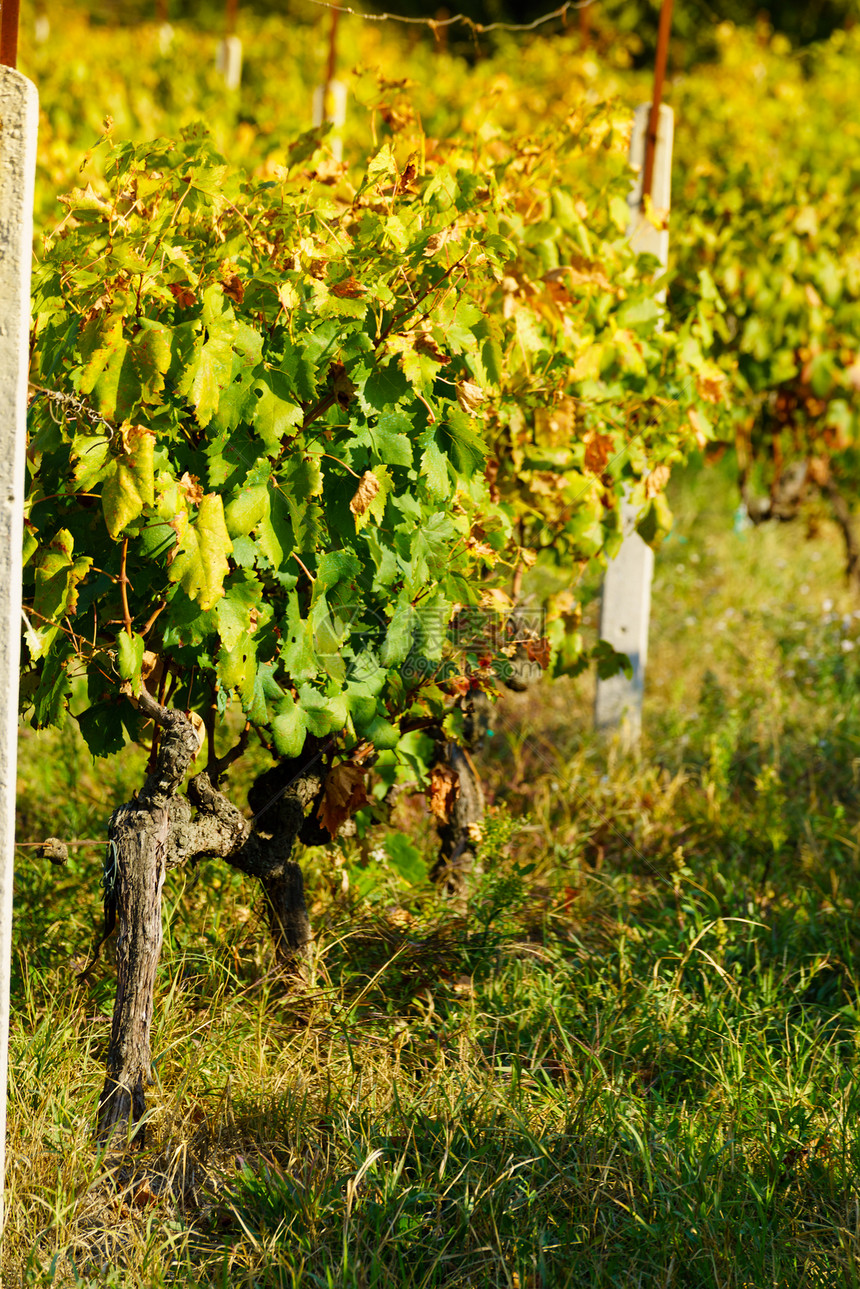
x,y
330,105
229,61
626,603
19,119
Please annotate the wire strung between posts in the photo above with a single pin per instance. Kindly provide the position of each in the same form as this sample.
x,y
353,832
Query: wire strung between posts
x,y
435,23
60,405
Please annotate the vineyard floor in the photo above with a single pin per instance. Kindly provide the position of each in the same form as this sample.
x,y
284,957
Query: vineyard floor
x,y
634,1063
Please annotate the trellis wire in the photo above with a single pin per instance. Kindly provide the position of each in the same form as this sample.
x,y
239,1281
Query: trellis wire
x,y
480,27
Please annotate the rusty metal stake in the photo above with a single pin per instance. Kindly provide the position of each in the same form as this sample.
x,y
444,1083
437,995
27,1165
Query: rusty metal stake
x,y
9,11
659,77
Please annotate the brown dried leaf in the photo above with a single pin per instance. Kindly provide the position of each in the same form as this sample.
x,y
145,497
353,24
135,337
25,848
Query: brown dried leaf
x,y
470,396
657,480
444,791
368,487
425,344
181,294
151,669
539,651
144,1196
396,116
199,729
350,289
818,469
343,794
234,288
545,483
597,450
408,176
190,485
698,426
711,387
344,390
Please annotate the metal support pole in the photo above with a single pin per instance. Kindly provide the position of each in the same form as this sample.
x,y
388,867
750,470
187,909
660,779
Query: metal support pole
x,y
9,11
659,77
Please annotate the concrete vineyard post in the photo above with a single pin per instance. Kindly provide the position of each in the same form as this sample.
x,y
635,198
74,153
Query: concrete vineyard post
x,y
229,58
229,61
626,602
19,116
330,105
329,101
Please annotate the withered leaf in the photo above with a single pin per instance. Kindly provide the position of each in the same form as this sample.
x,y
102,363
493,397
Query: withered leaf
x,y
425,344
657,480
443,792
344,390
151,669
368,487
190,485
711,387
539,651
343,794
350,289
234,288
470,396
199,729
144,1195
181,294
408,176
818,469
697,424
597,450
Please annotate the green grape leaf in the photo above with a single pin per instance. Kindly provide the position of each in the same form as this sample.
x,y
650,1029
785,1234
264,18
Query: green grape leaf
x,y
289,728
276,412
237,611
131,486
57,574
200,562
129,657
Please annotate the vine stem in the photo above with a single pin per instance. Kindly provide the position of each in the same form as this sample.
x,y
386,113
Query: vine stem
x,y
404,313
123,586
150,621
304,568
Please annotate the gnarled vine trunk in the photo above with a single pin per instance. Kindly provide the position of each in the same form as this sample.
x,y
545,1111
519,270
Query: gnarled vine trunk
x,y
460,837
138,836
162,829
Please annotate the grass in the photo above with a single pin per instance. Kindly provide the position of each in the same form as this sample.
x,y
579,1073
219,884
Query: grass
x,y
634,1062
